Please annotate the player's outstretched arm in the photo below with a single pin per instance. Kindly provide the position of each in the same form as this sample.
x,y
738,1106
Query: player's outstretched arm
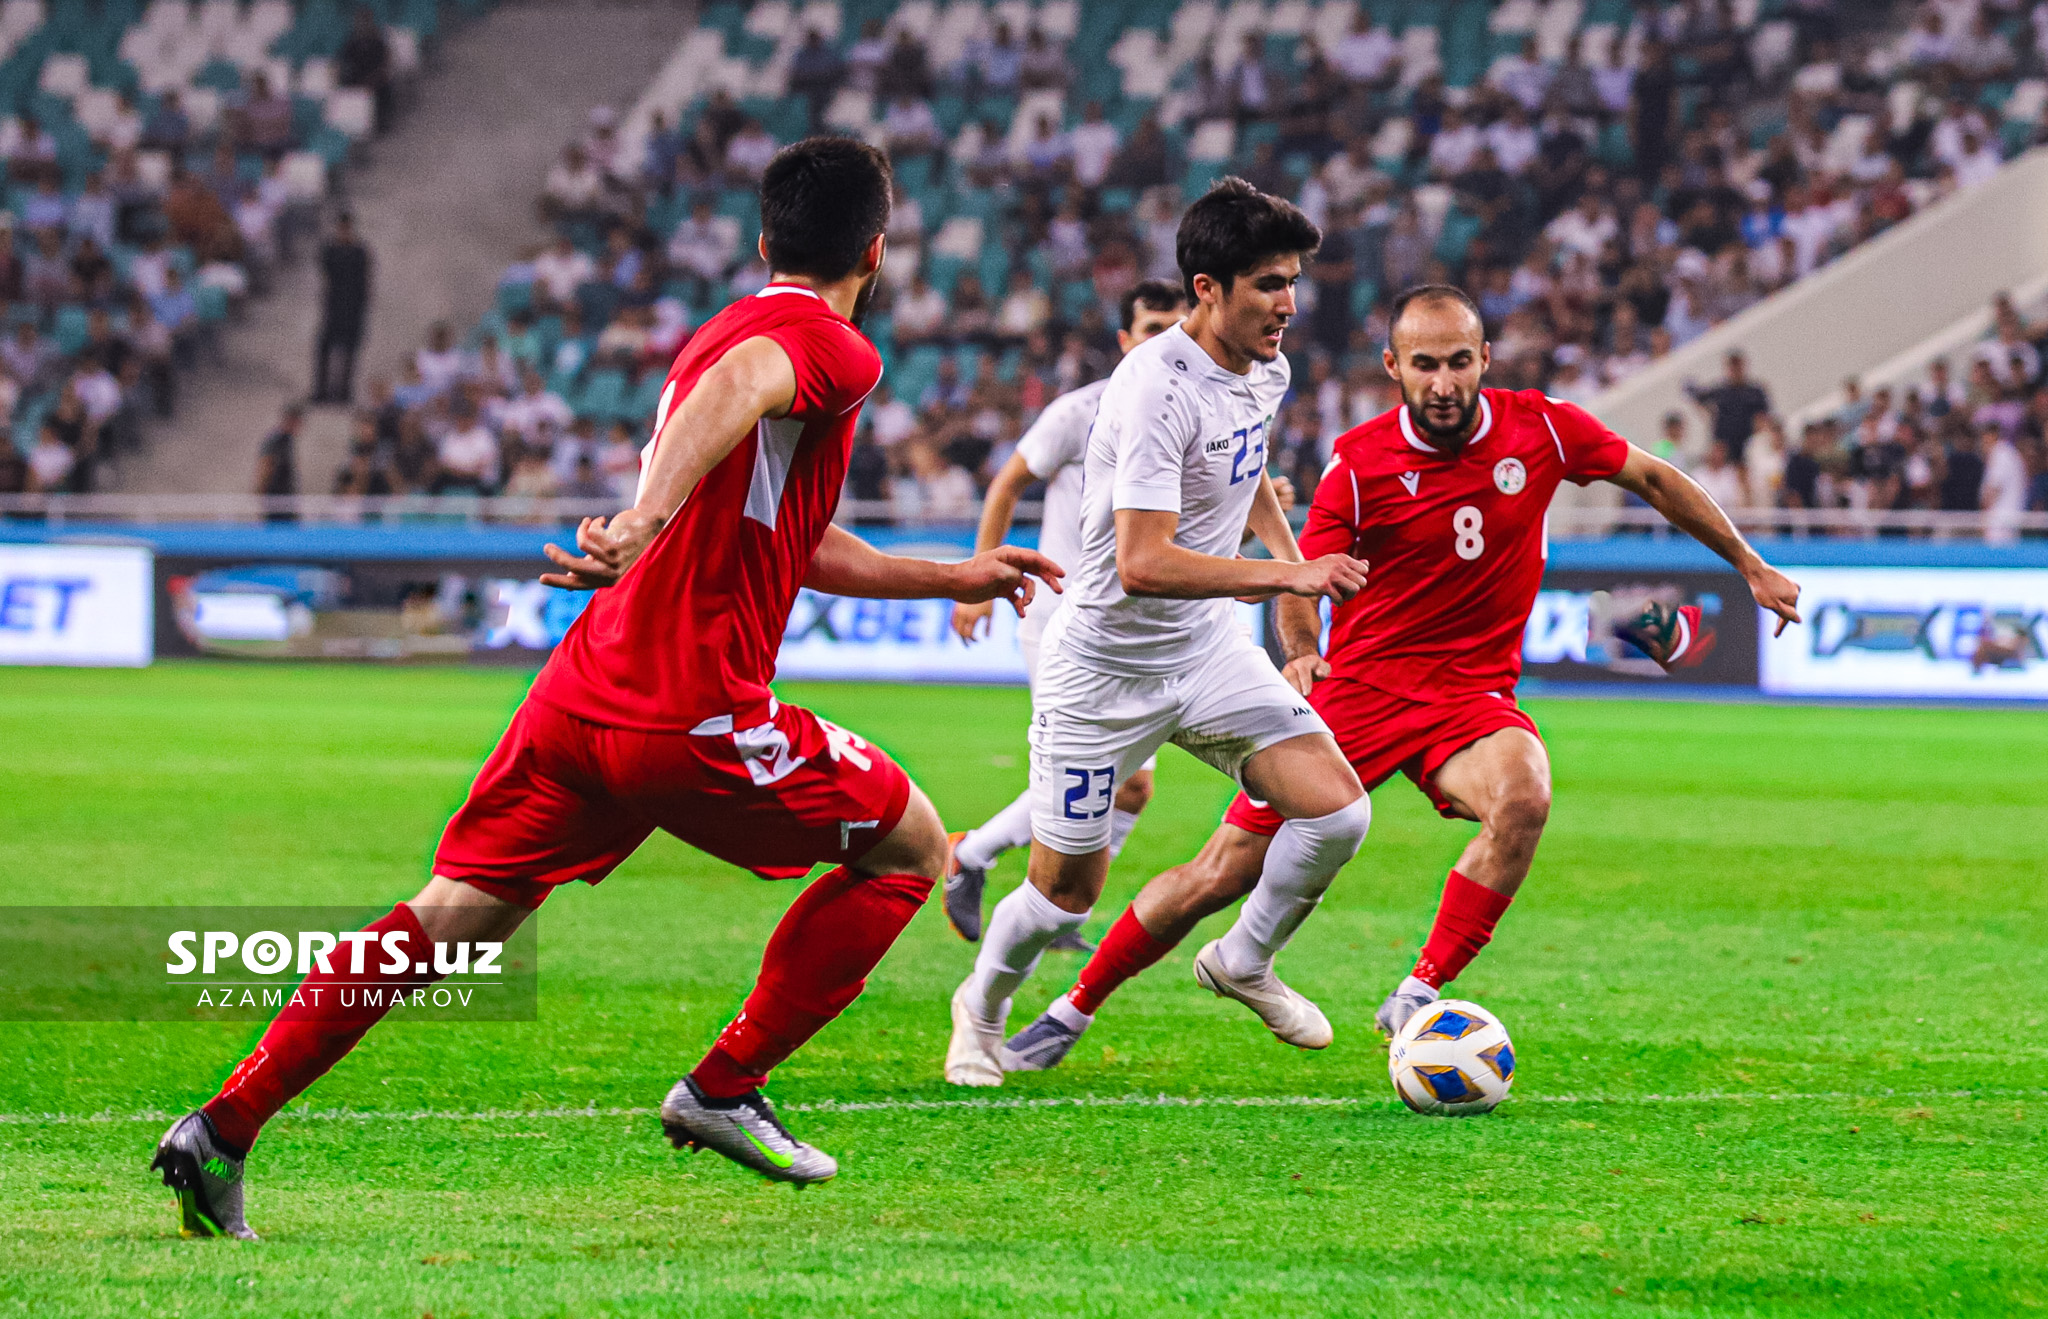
x,y
1150,564
847,565
997,511
1692,510
754,379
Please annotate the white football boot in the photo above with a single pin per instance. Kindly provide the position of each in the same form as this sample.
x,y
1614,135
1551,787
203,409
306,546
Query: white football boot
x,y
974,1057
1292,1019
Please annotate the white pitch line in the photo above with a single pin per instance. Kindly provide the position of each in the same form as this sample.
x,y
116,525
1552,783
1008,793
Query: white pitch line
x,y
1049,1102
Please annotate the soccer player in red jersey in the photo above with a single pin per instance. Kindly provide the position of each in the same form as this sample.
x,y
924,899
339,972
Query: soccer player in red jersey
x,y
1446,499
655,710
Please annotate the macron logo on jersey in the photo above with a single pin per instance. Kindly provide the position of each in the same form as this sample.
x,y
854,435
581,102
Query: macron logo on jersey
x,y
1410,480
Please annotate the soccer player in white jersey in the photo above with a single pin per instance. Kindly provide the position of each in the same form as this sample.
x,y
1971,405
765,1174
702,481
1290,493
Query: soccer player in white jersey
x,y
1148,650
1052,452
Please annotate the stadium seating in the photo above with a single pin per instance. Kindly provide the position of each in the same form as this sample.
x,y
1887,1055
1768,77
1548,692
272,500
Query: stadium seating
x,y
137,93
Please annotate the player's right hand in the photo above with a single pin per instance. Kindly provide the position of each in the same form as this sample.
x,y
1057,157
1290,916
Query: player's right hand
x,y
1006,572
971,622
609,547
1338,576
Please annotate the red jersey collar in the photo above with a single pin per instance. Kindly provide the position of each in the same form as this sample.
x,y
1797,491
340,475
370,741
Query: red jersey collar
x,y
1417,442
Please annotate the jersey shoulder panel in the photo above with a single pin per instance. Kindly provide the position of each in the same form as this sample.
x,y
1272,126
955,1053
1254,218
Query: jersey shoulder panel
x,y
1060,435
1373,446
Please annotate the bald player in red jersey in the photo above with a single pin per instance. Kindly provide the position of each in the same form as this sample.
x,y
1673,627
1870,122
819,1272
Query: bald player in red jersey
x,y
655,711
1446,498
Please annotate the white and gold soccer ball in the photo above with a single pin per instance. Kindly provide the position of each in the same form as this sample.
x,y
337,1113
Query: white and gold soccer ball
x,y
1452,1058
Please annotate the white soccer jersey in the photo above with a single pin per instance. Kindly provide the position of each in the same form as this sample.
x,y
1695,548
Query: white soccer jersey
x,y
1053,449
1174,433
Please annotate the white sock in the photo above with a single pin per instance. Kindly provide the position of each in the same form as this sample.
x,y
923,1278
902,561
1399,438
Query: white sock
x,y
1019,928
1066,1014
1305,856
1120,825
1008,828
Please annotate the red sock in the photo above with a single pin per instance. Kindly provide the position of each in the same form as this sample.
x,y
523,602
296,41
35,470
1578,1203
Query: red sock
x,y
1464,924
316,1029
1127,949
816,963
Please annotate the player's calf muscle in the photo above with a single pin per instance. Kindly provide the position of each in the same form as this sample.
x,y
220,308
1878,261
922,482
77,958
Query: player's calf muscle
x,y
1224,870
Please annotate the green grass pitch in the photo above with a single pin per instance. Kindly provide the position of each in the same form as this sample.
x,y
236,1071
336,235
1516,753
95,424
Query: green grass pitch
x,y
1777,985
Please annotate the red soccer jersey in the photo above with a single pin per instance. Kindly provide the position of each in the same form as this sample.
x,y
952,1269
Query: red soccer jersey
x,y
1455,545
690,634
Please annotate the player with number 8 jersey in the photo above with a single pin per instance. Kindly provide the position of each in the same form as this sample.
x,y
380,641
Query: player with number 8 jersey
x,y
1446,497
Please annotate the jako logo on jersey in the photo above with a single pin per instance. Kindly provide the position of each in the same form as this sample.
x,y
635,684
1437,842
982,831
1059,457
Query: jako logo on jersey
x,y
1509,476
1214,447
1410,480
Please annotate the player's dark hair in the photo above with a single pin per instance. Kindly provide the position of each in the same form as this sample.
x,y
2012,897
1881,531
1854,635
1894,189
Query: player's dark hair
x,y
1234,228
823,200
1152,295
1430,293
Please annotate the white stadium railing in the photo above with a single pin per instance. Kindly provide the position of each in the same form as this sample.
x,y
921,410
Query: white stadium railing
x,y
55,513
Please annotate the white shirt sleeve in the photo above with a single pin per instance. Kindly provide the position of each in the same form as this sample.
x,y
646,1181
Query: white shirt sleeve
x,y
1057,438
1155,426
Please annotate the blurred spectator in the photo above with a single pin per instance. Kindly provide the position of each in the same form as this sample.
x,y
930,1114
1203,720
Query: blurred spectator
x,y
364,61
816,73
2003,492
277,461
264,119
345,274
467,455
1734,406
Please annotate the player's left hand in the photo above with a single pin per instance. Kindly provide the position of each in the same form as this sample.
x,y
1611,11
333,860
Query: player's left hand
x,y
1284,490
609,547
1005,573
971,622
1777,593
1303,672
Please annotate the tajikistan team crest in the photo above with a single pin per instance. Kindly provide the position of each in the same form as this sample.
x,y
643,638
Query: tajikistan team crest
x,y
1509,476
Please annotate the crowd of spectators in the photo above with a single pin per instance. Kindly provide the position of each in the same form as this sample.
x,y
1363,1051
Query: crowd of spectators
x,y
123,250
1604,207
1971,437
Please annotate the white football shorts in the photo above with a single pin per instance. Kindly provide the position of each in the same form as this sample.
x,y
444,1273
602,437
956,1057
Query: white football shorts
x,y
1091,730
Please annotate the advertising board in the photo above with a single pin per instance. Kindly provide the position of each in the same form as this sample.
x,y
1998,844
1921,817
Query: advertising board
x,y
75,604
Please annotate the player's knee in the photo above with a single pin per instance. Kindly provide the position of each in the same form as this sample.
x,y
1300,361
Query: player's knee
x,y
1135,794
1522,812
1341,830
917,846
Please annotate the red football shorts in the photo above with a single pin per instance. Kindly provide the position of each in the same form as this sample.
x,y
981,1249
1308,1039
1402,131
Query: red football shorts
x,y
1380,734
563,799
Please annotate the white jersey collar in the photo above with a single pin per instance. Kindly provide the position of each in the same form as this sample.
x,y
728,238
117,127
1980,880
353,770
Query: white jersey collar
x,y
1417,442
787,288
1198,359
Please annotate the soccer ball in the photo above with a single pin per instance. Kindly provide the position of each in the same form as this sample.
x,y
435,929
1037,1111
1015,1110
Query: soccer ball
x,y
1452,1058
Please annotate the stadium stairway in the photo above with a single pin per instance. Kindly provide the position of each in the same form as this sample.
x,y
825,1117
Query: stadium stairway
x,y
447,195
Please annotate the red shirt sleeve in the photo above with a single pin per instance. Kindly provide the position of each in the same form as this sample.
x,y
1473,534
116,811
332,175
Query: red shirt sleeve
x,y
1591,451
836,367
1332,526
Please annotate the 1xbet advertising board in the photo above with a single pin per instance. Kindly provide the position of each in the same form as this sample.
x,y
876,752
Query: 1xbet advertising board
x,y
1914,632
74,604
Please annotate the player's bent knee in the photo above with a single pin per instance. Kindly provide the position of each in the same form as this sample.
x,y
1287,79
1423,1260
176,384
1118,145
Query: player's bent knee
x,y
916,846
1345,828
1522,812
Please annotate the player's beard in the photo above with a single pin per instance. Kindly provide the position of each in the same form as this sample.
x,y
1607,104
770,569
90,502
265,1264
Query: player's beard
x,y
1451,435
864,297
